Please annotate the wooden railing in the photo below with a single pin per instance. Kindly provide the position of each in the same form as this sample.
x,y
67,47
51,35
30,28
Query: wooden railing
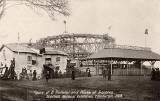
x,y
132,72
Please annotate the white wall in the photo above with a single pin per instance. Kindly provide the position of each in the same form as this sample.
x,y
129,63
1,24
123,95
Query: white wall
x,y
6,57
20,60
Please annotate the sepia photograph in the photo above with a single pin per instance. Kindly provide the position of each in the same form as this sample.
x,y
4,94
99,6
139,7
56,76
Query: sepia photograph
x,y
79,50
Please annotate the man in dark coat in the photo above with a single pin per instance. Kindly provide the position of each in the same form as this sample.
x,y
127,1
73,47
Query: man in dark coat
x,y
157,74
34,75
47,75
73,74
88,72
56,73
104,73
153,74
109,74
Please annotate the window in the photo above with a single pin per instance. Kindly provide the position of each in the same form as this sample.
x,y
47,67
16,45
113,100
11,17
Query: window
x,y
29,58
57,59
47,60
57,68
33,62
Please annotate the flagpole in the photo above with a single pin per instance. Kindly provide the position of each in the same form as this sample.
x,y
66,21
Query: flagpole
x,y
17,65
18,44
65,27
145,41
109,29
146,33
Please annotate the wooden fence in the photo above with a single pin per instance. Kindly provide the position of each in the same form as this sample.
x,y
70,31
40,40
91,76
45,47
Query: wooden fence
x,y
132,72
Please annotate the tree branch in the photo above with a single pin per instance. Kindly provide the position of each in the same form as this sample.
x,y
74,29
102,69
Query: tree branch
x,y
52,7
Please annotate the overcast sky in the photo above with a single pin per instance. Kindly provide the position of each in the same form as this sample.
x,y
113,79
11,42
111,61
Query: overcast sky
x,y
128,18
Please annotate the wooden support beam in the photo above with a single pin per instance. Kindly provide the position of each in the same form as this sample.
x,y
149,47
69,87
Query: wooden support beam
x,y
141,62
111,62
127,66
97,67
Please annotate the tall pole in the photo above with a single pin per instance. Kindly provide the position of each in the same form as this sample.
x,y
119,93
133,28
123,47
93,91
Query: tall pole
x,y
18,43
141,66
109,29
127,68
111,61
145,41
17,64
111,66
65,28
146,33
73,46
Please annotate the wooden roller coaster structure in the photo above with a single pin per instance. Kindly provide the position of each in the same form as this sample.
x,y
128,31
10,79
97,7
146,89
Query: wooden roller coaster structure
x,y
77,45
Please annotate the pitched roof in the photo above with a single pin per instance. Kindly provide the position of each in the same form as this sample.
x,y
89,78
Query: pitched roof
x,y
51,51
120,53
19,48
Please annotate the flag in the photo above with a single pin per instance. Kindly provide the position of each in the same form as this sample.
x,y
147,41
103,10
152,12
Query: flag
x,y
18,37
109,27
146,31
64,21
65,31
30,41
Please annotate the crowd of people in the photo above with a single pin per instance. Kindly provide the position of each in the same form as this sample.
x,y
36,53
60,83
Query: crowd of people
x,y
29,76
51,73
155,75
56,73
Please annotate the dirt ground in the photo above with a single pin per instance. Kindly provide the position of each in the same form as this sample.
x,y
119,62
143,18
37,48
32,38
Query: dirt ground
x,y
134,88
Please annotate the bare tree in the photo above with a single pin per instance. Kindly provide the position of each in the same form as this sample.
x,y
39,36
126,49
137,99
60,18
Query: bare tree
x,y
2,7
52,7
